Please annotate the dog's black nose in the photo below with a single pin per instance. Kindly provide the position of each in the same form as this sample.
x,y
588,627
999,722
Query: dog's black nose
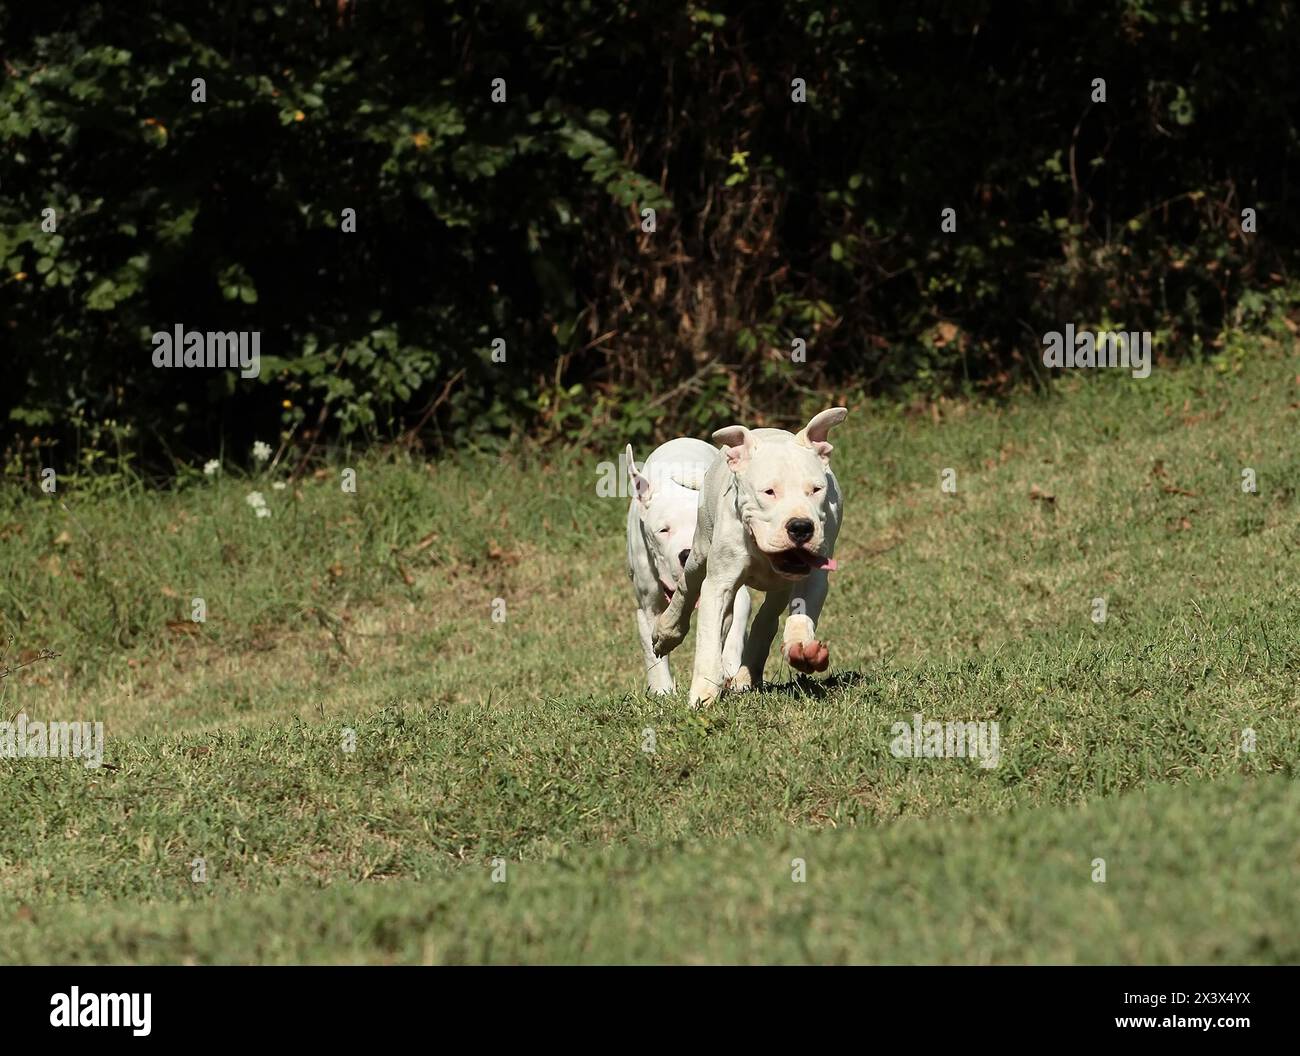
x,y
800,530
683,556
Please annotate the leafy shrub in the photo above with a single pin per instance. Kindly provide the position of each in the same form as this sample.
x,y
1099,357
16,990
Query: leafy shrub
x,y
522,220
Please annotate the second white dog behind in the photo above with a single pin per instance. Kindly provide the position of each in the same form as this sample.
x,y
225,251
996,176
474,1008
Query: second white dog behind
x,y
660,527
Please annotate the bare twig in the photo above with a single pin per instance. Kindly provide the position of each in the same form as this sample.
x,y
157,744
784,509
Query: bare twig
x,y
411,433
44,654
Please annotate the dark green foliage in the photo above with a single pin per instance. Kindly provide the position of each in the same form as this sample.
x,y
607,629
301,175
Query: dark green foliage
x,y
521,220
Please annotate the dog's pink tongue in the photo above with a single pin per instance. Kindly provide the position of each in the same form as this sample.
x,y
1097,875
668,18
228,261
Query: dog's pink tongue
x,y
831,565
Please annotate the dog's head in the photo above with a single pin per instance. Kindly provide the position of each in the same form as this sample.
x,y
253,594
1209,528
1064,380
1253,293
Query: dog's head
x,y
667,500
782,485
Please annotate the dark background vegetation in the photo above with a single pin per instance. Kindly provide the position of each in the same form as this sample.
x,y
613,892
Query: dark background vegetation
x,y
521,220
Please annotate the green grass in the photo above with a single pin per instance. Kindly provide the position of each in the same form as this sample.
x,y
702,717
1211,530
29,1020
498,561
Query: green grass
x,y
522,740
1186,881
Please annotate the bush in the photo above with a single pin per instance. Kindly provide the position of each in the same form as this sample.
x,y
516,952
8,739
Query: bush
x,y
522,220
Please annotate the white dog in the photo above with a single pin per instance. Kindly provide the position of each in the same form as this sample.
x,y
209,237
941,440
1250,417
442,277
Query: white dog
x,y
660,526
769,514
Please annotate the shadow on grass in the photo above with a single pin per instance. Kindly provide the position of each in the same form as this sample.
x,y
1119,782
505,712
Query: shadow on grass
x,y
809,686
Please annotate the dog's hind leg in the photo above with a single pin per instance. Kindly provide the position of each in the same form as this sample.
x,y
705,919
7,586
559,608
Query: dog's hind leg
x,y
759,640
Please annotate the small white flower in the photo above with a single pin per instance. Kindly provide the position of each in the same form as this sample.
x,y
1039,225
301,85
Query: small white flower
x,y
262,511
256,500
261,451
211,468
279,485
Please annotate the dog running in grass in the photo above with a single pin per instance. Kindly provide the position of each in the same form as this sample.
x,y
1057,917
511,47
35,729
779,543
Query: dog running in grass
x,y
768,516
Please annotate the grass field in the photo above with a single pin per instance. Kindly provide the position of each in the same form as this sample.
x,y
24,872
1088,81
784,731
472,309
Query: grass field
x,y
1164,741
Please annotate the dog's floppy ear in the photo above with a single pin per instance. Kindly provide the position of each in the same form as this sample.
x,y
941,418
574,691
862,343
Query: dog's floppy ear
x,y
815,432
640,484
737,444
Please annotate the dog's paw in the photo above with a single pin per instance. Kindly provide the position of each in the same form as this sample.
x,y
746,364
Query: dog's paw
x,y
703,693
666,636
808,657
742,681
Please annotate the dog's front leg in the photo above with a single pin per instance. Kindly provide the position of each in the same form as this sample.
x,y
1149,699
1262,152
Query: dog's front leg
x,y
659,678
799,644
719,592
673,623
734,628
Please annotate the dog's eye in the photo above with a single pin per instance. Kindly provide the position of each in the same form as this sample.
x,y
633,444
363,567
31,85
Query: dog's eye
x,y
770,491
664,531
817,488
